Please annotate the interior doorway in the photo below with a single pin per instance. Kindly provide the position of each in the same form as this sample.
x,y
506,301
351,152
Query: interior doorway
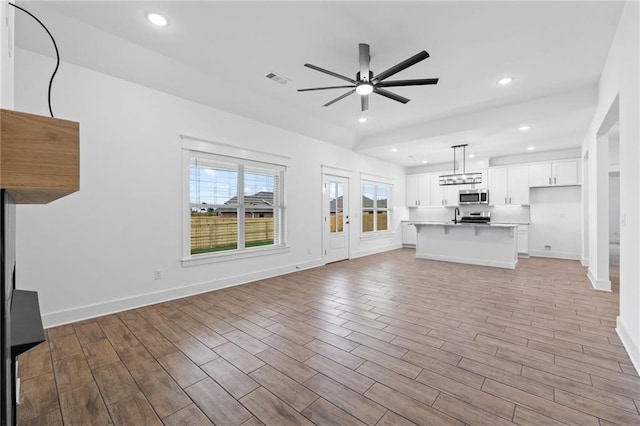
x,y
614,206
335,195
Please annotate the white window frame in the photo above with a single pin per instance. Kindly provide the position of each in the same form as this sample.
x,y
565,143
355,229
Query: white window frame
x,y
192,146
388,209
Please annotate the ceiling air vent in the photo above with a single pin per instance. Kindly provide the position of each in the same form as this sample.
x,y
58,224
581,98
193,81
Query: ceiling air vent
x,y
278,79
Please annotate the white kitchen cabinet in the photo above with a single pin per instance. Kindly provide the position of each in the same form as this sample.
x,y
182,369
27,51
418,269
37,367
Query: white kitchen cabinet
x,y
445,195
509,185
558,173
409,234
523,240
418,190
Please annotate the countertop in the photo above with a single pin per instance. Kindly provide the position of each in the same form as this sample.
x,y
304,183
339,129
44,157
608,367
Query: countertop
x,y
442,222
450,223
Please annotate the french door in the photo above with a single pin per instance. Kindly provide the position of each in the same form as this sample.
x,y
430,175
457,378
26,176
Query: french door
x,y
335,216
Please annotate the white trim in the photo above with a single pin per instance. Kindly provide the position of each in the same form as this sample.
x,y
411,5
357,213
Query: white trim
x,y
66,316
223,256
601,285
193,143
336,171
584,262
555,254
377,178
469,261
629,343
186,202
365,236
363,253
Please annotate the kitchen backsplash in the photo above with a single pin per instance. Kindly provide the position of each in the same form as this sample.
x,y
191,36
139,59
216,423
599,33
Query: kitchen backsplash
x,y
499,214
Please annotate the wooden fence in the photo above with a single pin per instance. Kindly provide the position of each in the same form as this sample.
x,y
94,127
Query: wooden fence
x,y
212,233
367,222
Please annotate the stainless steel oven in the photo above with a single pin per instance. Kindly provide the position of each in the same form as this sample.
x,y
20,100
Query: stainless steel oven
x,y
473,196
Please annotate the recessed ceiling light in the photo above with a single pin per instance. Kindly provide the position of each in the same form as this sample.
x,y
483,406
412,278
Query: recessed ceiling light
x,y
524,128
157,19
471,155
362,119
531,148
394,149
505,80
424,161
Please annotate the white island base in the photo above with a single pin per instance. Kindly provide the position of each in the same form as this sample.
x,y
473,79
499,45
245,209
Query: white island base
x,y
477,244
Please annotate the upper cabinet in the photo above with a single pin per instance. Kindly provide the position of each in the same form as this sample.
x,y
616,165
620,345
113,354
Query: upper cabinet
x,y
39,157
558,173
443,195
509,185
418,190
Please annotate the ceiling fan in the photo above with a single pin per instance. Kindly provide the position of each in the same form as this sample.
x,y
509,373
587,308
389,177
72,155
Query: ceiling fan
x,y
366,83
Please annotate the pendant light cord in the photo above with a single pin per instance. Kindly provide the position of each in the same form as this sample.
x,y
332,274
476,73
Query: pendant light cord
x,y
54,45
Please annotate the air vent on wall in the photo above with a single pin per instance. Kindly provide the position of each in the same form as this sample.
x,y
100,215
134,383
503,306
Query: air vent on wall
x,y
278,79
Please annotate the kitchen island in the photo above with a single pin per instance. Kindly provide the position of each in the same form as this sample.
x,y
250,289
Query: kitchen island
x,y
473,243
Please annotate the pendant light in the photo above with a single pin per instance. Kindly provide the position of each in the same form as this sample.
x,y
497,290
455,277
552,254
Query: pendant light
x,y
463,178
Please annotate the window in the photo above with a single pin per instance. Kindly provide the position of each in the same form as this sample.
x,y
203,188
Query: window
x,y
375,207
235,204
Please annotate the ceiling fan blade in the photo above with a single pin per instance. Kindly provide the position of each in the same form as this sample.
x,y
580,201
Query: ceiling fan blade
x,y
416,82
364,59
401,66
342,77
325,88
390,95
339,97
364,102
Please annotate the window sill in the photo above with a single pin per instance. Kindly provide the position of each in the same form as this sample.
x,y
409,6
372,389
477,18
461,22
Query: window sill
x,y
203,259
377,235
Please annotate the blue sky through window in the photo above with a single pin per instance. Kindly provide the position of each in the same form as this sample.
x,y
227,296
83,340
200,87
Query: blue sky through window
x,y
217,185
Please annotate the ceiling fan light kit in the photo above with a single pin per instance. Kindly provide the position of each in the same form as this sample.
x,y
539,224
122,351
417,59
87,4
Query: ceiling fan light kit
x,y
366,83
460,178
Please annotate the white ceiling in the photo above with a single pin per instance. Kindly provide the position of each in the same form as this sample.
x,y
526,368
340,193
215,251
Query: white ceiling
x,y
218,53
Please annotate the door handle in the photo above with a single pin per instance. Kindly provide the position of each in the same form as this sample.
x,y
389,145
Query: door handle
x,y
554,181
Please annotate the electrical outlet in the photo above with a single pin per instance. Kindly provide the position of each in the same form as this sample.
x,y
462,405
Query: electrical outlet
x,y
547,246
308,251
157,274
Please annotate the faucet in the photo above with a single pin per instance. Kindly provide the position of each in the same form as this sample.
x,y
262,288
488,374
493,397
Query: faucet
x,y
456,213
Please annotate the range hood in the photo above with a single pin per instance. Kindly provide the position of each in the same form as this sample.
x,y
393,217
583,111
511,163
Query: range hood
x,y
463,178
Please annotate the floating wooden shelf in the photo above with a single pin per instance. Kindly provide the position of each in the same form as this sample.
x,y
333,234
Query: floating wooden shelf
x,y
39,157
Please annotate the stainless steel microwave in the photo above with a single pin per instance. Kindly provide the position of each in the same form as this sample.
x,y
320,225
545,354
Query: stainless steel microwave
x,y
473,196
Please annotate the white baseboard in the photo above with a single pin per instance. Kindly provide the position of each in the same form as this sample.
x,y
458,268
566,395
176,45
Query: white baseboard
x,y
602,285
80,313
555,254
584,262
362,253
629,343
469,261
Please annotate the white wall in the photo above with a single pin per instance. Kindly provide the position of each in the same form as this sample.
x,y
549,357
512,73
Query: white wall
x,y
555,221
614,207
620,79
95,251
7,16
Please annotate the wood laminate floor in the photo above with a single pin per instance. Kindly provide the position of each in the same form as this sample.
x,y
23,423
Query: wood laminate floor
x,y
381,340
